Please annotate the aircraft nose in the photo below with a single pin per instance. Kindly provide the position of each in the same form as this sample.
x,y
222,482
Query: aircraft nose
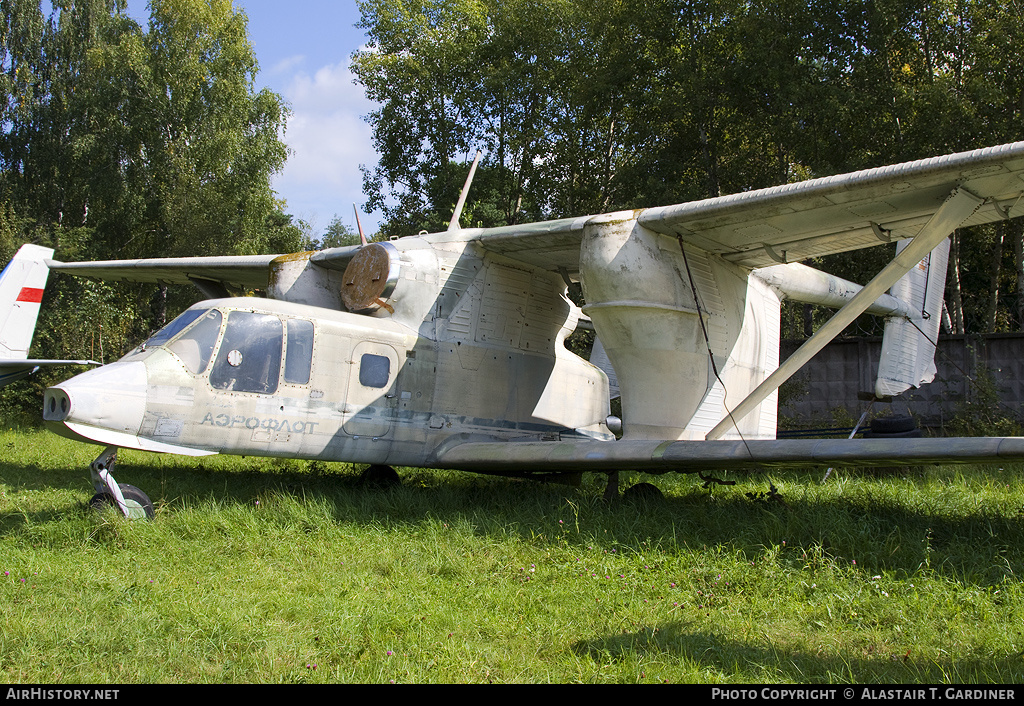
x,y
56,405
110,397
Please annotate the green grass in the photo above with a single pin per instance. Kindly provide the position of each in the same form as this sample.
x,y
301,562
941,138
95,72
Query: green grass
x,y
257,570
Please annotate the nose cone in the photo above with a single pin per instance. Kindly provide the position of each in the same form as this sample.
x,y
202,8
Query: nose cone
x,y
112,397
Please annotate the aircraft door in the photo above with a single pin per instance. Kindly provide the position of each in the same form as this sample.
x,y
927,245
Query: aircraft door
x,y
370,405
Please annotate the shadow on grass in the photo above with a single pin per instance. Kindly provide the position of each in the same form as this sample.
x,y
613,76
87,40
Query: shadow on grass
x,y
877,530
727,656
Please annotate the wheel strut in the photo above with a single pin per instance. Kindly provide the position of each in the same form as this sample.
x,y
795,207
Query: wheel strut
x,y
103,481
611,490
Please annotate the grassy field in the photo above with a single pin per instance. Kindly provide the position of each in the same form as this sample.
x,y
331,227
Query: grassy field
x,y
285,571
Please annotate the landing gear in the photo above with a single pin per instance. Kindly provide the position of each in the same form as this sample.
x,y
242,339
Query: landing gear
x,y
895,427
611,490
638,493
136,503
642,494
129,500
380,477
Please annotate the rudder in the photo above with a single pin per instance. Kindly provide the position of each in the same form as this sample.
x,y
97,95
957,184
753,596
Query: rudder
x,y
21,294
908,345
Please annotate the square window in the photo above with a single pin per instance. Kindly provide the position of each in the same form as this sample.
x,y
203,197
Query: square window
x,y
374,370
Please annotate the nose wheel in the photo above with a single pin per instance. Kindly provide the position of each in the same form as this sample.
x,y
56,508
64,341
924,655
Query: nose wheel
x,y
129,500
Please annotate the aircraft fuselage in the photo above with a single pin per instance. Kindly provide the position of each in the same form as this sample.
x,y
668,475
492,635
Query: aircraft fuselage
x,y
470,349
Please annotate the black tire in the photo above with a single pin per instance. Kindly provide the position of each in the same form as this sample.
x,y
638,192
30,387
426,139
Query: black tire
x,y
893,425
642,493
138,503
380,477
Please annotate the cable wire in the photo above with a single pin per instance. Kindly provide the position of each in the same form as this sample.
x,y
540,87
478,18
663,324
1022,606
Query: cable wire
x,y
707,342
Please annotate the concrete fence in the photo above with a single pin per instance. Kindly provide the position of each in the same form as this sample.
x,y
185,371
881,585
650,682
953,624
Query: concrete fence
x,y
836,378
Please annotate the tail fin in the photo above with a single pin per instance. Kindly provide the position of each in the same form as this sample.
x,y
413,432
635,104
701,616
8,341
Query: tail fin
x,y
21,294
908,345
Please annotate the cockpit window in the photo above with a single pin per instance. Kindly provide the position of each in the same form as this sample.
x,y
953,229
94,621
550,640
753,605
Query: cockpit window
x,y
195,346
173,329
249,359
299,358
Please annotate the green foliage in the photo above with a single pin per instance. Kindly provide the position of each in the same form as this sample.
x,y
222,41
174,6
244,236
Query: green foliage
x,y
981,413
337,235
118,141
154,138
584,106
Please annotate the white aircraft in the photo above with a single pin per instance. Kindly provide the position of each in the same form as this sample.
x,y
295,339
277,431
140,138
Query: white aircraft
x,y
445,350
21,294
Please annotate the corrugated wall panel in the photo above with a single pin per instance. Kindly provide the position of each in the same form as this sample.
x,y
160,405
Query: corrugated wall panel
x,y
833,379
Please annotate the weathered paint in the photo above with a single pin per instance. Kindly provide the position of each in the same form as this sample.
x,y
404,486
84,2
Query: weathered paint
x,y
658,310
474,348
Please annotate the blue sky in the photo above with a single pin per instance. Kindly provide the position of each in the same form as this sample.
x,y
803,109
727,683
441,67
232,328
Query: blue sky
x,y
304,48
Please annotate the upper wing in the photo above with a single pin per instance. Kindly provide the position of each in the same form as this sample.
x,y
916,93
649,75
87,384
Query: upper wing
x,y
247,271
551,245
807,219
785,223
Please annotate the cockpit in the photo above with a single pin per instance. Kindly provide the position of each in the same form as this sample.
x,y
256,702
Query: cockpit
x,y
239,351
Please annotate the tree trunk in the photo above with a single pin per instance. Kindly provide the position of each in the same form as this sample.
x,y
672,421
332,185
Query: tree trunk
x,y
711,164
991,313
1017,236
956,304
161,312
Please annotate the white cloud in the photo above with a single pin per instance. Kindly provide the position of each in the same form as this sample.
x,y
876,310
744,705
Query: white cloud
x,y
286,65
329,140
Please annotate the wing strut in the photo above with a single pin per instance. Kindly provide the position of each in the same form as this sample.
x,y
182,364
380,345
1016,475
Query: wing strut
x,y
954,211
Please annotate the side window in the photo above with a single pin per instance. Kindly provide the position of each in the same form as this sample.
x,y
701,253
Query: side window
x,y
195,346
299,358
249,359
374,370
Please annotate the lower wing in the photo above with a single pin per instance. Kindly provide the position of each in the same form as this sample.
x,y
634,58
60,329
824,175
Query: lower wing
x,y
694,456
